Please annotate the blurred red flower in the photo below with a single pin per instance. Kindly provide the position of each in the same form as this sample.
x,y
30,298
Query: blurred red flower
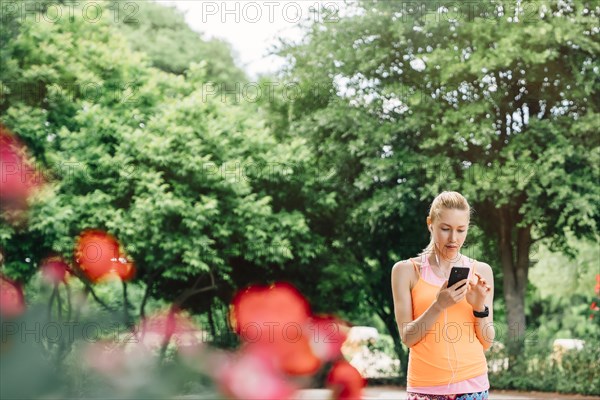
x,y
251,374
597,289
124,269
98,255
12,302
18,177
257,308
126,368
54,270
169,326
346,382
276,316
327,336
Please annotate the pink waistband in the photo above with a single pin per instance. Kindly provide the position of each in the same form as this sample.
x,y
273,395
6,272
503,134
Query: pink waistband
x,y
472,385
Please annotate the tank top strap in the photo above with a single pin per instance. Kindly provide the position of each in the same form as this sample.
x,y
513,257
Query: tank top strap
x,y
424,261
416,267
425,267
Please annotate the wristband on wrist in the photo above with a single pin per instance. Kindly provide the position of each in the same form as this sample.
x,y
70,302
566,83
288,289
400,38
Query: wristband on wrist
x,y
482,314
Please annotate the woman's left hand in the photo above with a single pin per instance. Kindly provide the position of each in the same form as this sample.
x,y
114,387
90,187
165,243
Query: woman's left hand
x,y
477,292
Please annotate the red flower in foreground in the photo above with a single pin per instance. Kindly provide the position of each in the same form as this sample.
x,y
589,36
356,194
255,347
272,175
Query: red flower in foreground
x,y
18,178
252,374
175,327
124,268
346,382
125,368
12,302
597,288
98,256
257,308
54,270
281,337
327,335
276,316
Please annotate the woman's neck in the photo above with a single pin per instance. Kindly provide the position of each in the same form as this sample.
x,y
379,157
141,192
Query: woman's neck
x,y
443,264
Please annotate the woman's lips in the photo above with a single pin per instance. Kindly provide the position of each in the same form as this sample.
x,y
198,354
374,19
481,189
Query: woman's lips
x,y
452,247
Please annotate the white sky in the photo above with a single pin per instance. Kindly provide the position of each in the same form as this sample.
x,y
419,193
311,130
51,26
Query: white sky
x,y
253,26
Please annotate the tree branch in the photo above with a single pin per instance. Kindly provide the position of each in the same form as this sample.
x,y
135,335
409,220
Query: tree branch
x,y
90,290
193,291
149,285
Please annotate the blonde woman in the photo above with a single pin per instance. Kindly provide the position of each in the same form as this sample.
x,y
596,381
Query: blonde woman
x,y
447,329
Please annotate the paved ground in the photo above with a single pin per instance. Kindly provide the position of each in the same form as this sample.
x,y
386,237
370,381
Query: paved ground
x,y
391,393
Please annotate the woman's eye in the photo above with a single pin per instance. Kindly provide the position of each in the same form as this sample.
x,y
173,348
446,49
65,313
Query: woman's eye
x,y
444,229
461,231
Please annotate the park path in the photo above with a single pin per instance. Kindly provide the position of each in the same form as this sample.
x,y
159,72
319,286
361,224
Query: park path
x,y
393,393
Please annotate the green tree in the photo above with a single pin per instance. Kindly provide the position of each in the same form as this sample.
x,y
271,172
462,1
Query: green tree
x,y
161,32
490,100
147,156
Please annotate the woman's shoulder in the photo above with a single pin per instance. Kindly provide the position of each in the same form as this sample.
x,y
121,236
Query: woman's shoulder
x,y
408,263
484,268
405,270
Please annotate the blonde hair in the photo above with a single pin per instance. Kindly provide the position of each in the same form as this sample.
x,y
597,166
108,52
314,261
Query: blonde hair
x,y
449,201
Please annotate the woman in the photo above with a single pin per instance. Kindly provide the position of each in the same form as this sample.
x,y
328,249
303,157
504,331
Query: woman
x,y
446,328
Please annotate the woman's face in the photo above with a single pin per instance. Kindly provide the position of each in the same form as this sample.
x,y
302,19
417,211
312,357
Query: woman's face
x,y
450,232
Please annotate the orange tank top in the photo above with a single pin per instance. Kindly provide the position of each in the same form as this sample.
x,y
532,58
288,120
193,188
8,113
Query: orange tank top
x,y
450,352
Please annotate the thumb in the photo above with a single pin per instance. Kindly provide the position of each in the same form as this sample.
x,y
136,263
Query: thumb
x,y
445,285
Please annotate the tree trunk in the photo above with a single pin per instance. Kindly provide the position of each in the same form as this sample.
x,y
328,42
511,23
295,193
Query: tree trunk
x,y
515,270
211,322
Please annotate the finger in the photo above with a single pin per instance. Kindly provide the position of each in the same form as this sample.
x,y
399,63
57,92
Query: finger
x,y
459,283
460,297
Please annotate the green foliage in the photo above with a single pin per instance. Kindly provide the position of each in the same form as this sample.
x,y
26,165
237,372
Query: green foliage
x,y
559,304
539,370
162,33
147,157
327,190
556,275
409,104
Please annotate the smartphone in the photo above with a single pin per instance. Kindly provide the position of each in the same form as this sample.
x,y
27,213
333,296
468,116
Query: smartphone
x,y
458,274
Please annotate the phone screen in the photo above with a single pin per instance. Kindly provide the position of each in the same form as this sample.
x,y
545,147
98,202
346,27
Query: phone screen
x,y
458,274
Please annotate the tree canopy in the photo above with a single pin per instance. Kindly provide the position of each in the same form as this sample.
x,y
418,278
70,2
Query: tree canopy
x,y
494,103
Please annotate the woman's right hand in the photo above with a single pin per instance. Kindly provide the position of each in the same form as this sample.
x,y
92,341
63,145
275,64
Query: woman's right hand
x,y
449,296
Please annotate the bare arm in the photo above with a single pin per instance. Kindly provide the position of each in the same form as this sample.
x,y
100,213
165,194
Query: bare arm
x,y
413,331
484,327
